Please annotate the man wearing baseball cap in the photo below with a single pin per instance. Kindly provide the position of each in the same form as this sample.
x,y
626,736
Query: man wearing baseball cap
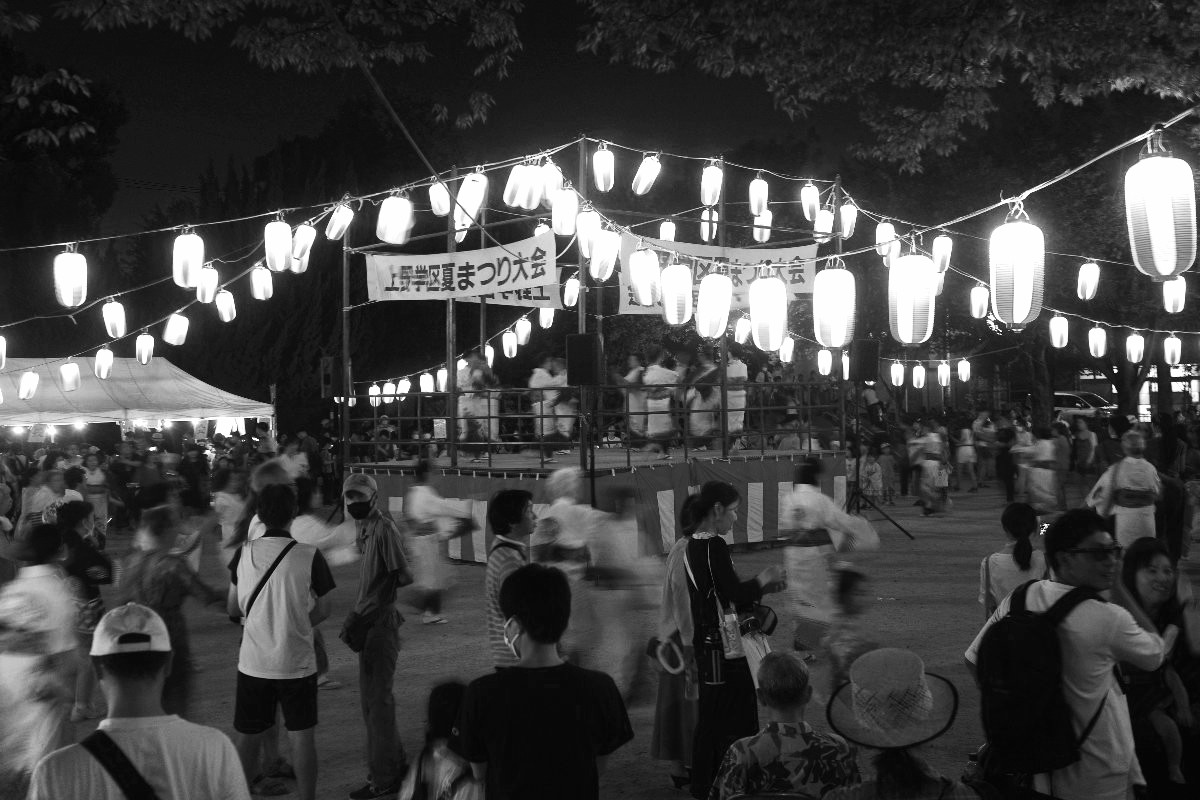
x,y
138,749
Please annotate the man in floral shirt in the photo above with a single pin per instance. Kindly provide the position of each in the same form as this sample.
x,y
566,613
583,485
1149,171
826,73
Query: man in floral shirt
x,y
787,755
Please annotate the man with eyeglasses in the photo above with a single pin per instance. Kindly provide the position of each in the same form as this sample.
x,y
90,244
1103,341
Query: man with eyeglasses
x,y
1094,637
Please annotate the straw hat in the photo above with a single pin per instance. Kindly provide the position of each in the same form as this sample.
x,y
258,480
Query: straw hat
x,y
891,701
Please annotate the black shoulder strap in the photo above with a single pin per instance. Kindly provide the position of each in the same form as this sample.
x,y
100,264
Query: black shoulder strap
x,y
1016,602
1066,604
266,575
118,766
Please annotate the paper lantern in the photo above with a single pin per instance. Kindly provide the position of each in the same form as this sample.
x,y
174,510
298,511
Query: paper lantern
x,y
1016,257
396,218
1097,342
849,218
523,327
545,317
540,228
1160,210
647,173
27,387
676,287
603,168
980,295
302,240
833,307
489,354
69,374
471,195
552,179
762,226
226,305
426,383
885,236
1174,294
298,266
103,364
768,310
374,392
897,374
175,331
70,279
187,257
824,361
515,185
940,283
1058,331
1135,347
508,344
587,228
964,370
1088,281
943,374
666,230
570,295
758,195
114,319
912,283
3,351
708,224
644,276
206,289
388,391
943,247
439,198
443,379
261,286
823,226
810,201
277,245
1172,349
605,250
918,376
787,349
741,330
845,366
711,179
403,387
144,348
339,220
564,208
461,364
712,305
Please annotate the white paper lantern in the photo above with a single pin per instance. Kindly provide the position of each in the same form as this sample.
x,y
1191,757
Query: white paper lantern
x,y
339,220
298,266
810,201
943,248
471,195
114,319
443,379
605,250
647,173
824,361
711,179
897,374
940,283
644,276
144,348
523,327
515,185
980,295
388,392
762,226
845,366
1058,331
603,168
1160,212
587,228
676,287
403,387
540,228
187,257
461,364
918,376
302,240
226,305
27,388
1097,342
1135,347
570,294
103,364
849,218
3,351
741,330
712,305
885,236
1088,281
426,383
1172,349
175,331
261,286
531,191
564,208
206,289
912,283
545,317
489,354
823,226
277,244
787,349
964,370
758,196
552,179
1016,256
439,198
396,218
768,311
708,224
70,279
69,374
943,374
374,393
1174,294
833,307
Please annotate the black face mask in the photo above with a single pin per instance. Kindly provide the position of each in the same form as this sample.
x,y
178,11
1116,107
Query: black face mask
x,y
360,509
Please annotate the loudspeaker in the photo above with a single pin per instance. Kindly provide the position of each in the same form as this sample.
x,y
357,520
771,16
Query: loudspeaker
x,y
864,360
585,359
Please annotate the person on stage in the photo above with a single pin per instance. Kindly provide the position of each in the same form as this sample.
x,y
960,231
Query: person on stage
x,y
659,382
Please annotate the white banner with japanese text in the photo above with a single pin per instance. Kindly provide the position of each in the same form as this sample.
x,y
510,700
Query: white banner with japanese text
x,y
546,296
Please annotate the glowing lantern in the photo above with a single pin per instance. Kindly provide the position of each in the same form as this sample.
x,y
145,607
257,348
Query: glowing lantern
x,y
187,256
708,224
666,230
70,279
489,354
787,349
388,391
339,220
443,379
647,173
758,196
552,179
762,226
564,208
103,364
396,218
676,287
1089,280
302,240
3,351
226,306
587,228
298,266
1172,349
426,383
373,392
712,305
277,245
27,388
540,228
439,198
710,184
175,331
964,370
144,348
1135,347
941,284
768,310
1160,210
1058,331
911,286
897,374
1097,342
545,317
471,195
943,373
403,387
845,366
461,364
570,294
206,289
1174,294
515,185
823,225
918,376
603,168
261,286
833,307
849,218
943,247
605,250
643,276
114,319
1016,254
824,361
885,236
69,374
523,328
810,201
741,330
979,301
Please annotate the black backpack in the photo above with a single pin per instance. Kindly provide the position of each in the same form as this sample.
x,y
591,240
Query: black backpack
x,y
1019,667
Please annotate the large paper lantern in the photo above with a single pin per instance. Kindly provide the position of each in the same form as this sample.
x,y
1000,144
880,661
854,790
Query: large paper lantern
x,y
570,295
1016,255
298,266
885,239
918,376
762,226
1160,209
823,226
758,195
69,374
741,330
643,276
810,201
531,190
541,228
70,279
666,230
787,350
396,218
443,379
1058,331
1172,349
845,366
523,327
768,310
647,173
712,305
552,179
711,179
187,256
897,374
587,228
176,329
545,317
388,391
103,365
114,319
27,387
1174,294
980,295
605,250
489,354
943,374
403,387
206,289
603,168
833,307
426,383
849,218
964,370
471,194
515,185
226,305
508,344
564,209
261,285
1135,347
943,248
1088,281
676,287
375,395
277,245
302,240
439,198
3,351
339,220
912,283
1097,342
824,361
708,224
144,348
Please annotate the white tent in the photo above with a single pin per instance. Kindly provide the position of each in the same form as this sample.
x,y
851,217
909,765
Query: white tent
x,y
154,391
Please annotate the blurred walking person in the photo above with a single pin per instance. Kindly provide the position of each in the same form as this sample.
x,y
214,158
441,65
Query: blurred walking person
x,y
426,511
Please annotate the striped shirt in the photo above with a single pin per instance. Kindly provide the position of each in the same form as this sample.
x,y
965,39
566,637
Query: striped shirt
x,y
505,558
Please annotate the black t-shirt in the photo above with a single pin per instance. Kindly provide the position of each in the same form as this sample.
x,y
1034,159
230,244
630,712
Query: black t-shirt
x,y
88,566
541,730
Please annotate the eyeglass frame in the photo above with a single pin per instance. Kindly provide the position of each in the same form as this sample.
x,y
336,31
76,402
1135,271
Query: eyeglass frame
x,y
1099,554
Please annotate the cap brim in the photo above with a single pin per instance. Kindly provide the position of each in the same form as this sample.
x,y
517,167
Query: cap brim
x,y
840,714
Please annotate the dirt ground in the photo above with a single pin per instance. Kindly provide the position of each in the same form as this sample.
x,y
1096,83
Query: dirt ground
x,y
926,600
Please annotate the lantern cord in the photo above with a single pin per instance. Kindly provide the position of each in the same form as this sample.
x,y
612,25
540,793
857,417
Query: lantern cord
x,y
706,159
1119,325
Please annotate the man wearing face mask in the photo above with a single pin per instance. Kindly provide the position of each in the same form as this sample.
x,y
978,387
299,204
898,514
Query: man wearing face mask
x,y
373,631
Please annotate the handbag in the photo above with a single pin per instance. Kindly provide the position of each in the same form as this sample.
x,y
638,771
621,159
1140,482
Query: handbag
x,y
728,624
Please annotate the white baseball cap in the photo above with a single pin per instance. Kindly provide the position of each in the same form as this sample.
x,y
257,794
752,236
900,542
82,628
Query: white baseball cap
x,y
130,628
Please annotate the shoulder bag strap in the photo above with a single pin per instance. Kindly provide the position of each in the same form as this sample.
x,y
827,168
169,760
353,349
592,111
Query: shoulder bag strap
x,y
687,564
266,575
118,766
1016,603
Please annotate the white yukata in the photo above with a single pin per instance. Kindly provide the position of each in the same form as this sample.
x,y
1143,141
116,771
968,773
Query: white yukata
x,y
735,395
659,380
1130,474
428,514
637,401
543,399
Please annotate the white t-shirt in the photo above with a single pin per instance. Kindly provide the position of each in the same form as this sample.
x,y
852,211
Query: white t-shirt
x,y
179,759
637,395
542,379
735,378
807,508
1000,574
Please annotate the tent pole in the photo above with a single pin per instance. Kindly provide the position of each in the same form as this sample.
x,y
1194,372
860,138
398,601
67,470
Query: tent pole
x,y
347,376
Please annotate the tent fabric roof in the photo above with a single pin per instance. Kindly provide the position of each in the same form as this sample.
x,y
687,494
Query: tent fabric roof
x,y
158,390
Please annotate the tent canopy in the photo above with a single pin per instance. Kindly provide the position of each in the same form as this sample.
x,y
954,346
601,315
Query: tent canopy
x,y
158,390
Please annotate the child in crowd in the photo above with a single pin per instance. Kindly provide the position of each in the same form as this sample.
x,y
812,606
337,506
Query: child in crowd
x,y
845,641
872,478
1017,563
439,773
887,473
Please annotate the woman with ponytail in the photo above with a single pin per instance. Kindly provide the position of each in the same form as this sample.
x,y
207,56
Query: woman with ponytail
x,y
1017,563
